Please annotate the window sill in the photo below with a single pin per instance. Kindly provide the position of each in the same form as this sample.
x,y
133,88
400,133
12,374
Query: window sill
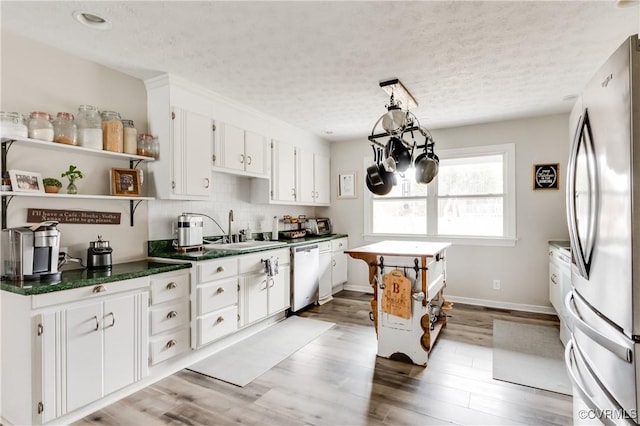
x,y
454,240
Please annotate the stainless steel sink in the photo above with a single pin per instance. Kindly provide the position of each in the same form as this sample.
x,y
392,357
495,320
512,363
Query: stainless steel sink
x,y
245,245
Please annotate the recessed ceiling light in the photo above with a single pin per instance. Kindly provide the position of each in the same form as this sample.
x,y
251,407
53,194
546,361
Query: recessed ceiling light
x,y
91,20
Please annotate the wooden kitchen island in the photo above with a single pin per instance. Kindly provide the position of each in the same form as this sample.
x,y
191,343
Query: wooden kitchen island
x,y
408,280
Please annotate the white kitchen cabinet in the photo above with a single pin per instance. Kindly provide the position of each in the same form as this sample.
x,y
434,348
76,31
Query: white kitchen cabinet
x,y
313,178
325,271
283,179
241,151
339,263
182,122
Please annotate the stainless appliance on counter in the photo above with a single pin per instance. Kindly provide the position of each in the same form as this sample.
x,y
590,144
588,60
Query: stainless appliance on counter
x,y
32,253
305,276
603,203
319,226
99,254
190,230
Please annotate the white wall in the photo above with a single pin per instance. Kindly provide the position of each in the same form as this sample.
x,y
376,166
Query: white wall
x,y
471,269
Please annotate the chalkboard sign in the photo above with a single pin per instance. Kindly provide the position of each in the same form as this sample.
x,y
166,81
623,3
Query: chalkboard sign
x,y
546,176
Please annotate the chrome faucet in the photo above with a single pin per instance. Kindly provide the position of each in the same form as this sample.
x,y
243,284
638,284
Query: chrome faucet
x,y
230,220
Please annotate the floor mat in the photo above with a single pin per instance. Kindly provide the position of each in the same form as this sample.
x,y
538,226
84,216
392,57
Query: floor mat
x,y
248,359
530,355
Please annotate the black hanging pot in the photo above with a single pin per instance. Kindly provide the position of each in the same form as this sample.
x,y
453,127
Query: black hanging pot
x,y
397,150
379,181
427,164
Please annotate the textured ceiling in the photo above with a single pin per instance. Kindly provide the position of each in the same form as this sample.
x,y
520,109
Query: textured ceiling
x,y
318,64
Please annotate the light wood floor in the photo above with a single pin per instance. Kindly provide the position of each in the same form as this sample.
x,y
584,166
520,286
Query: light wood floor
x,y
338,380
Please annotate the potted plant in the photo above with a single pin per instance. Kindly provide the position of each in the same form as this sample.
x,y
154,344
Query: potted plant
x,y
72,174
51,185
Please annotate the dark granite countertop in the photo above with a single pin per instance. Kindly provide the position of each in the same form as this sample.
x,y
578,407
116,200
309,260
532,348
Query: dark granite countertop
x,y
82,277
164,248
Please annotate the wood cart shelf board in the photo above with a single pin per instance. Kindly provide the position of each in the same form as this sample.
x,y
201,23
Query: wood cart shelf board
x,y
424,263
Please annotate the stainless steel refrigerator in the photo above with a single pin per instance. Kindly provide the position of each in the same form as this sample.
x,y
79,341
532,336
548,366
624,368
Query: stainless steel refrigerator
x,y
603,214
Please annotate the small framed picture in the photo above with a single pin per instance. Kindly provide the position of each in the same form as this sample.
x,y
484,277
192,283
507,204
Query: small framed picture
x,y
22,181
546,176
125,182
347,185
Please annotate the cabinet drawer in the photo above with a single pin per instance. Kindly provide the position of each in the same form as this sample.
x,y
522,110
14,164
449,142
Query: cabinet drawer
x,y
253,262
169,345
217,295
339,244
165,288
87,292
217,269
217,324
168,316
325,246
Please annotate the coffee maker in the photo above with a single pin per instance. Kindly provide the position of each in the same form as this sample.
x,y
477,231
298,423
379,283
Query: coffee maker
x,y
31,253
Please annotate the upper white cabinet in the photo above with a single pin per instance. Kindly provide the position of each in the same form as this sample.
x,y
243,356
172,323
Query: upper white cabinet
x,y
241,151
183,124
313,178
283,179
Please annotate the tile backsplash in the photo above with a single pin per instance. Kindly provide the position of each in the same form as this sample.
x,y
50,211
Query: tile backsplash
x,y
229,192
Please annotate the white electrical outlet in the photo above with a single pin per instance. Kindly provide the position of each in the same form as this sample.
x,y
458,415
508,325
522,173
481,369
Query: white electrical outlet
x,y
496,284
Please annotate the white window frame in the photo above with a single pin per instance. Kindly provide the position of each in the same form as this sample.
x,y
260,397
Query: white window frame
x,y
508,151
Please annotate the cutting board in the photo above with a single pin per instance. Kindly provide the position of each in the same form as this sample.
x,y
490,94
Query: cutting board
x,y
396,299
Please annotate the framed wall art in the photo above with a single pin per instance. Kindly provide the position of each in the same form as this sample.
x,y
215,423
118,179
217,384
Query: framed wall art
x,y
347,185
546,176
125,182
22,181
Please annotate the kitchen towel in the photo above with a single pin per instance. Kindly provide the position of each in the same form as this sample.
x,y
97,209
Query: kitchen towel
x,y
530,355
243,362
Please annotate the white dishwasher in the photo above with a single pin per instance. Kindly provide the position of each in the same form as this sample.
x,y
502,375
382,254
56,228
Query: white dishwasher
x,y
304,291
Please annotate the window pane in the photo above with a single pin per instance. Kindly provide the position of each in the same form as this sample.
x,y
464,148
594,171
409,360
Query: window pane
x,y
399,216
471,175
470,216
406,186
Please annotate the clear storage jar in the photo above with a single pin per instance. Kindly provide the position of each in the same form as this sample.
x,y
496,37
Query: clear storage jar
x,y
89,127
13,124
130,135
145,145
65,129
40,126
112,132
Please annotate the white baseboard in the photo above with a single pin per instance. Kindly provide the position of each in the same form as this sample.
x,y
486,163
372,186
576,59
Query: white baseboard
x,y
361,288
501,305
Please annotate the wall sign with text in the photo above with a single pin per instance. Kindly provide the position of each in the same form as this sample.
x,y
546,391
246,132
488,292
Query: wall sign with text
x,y
73,216
546,176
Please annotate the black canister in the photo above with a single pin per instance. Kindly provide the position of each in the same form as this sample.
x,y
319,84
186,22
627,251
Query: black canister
x,y
99,254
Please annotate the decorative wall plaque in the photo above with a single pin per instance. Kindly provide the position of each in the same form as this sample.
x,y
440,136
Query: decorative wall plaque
x,y
546,176
73,216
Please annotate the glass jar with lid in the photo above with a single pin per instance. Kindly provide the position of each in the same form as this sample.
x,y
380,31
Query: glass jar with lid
x,y
130,135
13,124
65,129
40,126
112,132
145,145
89,127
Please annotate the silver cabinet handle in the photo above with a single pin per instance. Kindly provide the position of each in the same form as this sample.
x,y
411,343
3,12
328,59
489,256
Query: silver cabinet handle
x,y
172,314
206,180
334,262
171,285
554,278
171,343
273,282
173,184
113,320
219,320
220,290
220,269
248,159
97,323
241,158
213,157
99,289
263,285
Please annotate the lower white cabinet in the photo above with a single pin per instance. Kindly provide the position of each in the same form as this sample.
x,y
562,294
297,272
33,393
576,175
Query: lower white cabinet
x,y
338,262
326,273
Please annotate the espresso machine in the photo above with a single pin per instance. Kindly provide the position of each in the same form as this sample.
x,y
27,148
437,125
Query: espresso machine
x,y
31,253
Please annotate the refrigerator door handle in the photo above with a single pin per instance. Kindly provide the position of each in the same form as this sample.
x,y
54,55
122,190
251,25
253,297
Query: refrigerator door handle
x,y
584,394
621,351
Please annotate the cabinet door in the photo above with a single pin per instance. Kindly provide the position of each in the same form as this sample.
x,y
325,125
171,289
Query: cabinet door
x,y
339,272
322,179
232,144
306,191
192,152
284,172
555,277
256,150
324,289
125,337
279,293
254,302
84,355
46,367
